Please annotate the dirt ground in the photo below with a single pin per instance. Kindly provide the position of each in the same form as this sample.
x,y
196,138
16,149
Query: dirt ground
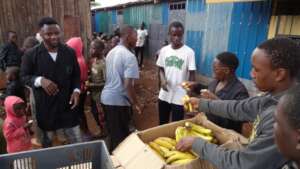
x,y
147,92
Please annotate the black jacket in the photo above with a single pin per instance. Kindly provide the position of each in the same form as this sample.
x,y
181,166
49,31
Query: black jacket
x,y
53,112
10,55
234,90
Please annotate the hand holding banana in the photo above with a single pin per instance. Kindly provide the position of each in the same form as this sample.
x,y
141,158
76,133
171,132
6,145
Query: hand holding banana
x,y
191,104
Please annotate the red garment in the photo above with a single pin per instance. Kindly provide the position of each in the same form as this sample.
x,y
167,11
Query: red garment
x,y
17,137
77,45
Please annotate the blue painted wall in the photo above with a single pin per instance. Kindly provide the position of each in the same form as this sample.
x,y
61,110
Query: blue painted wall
x,y
249,27
165,13
235,27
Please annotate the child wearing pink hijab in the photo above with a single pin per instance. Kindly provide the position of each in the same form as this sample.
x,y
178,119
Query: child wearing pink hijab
x,y
76,44
15,127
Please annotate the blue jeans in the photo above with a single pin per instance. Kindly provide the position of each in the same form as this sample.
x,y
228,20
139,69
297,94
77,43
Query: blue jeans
x,y
73,135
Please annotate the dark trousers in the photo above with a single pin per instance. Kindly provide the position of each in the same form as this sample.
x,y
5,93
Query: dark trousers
x,y
165,109
117,123
225,123
139,51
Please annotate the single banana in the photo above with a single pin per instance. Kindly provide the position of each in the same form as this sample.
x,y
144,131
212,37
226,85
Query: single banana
x,y
170,153
164,143
165,151
204,137
179,156
184,161
156,149
169,140
180,132
198,128
190,107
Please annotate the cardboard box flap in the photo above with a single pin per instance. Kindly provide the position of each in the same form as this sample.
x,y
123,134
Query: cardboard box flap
x,y
166,130
146,160
132,153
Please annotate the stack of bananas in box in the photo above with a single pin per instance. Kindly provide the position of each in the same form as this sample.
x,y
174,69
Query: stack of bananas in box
x,y
194,130
165,146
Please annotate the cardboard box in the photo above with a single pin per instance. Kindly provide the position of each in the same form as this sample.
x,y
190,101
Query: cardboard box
x,y
134,153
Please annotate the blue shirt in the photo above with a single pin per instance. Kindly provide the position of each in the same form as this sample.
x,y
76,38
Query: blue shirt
x,y
120,64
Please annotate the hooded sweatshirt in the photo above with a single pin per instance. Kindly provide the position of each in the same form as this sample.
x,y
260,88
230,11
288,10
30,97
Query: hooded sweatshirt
x,y
17,137
262,152
77,45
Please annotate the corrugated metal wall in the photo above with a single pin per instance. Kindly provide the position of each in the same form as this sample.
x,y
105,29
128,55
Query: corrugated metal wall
x,y
135,15
236,27
249,27
207,31
105,21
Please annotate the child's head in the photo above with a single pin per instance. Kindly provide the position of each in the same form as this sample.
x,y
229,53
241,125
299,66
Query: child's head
x,y
14,106
12,73
176,31
287,124
275,64
96,48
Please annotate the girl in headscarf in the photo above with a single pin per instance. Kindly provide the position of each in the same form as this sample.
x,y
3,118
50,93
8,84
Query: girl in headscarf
x,y
15,127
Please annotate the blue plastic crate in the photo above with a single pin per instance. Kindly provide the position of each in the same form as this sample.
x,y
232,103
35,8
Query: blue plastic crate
x,y
88,155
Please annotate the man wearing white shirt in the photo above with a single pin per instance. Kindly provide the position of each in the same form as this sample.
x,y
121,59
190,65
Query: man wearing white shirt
x,y
52,71
176,64
142,35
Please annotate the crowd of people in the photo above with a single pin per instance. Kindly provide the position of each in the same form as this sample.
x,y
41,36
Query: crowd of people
x,y
67,90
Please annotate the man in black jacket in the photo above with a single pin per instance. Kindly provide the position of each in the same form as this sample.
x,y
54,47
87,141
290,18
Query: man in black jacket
x,y
53,73
10,54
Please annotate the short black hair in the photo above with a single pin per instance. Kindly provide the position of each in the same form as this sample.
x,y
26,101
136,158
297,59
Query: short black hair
x,y
98,44
290,106
176,24
228,59
47,21
284,53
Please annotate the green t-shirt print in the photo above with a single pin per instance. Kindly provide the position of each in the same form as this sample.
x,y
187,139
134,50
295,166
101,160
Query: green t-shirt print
x,y
174,61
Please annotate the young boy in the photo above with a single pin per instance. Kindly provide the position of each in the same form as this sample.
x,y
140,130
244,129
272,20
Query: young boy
x,y
176,64
275,67
287,127
97,78
15,127
14,86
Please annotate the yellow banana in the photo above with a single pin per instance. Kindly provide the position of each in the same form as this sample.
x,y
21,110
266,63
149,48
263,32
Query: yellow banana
x,y
165,151
204,137
180,133
198,128
179,156
170,153
190,107
164,143
169,140
156,149
184,161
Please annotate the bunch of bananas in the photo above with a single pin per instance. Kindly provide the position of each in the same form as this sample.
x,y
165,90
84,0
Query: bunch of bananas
x,y
165,148
186,104
191,129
